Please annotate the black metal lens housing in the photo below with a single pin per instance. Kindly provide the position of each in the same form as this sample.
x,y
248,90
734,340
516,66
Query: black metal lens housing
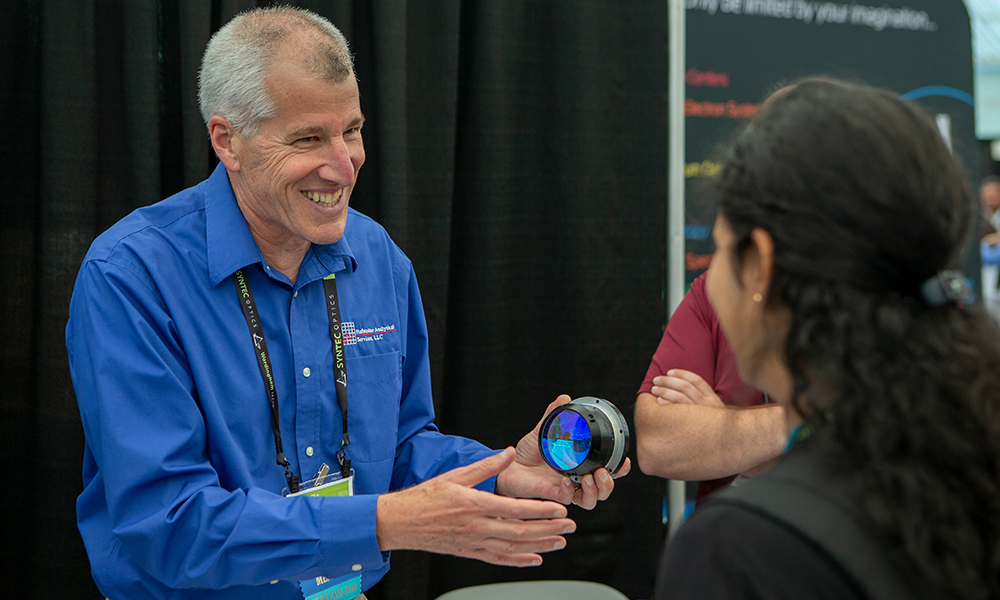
x,y
583,435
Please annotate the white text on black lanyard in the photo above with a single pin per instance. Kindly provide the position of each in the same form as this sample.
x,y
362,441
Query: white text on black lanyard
x,y
264,361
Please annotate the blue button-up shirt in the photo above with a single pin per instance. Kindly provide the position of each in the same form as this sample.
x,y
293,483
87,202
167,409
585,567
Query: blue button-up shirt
x,y
182,493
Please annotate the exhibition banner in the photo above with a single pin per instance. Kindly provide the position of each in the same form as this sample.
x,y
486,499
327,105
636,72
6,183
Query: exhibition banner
x,y
738,51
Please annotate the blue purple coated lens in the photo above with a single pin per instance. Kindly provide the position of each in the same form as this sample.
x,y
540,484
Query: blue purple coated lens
x,y
566,441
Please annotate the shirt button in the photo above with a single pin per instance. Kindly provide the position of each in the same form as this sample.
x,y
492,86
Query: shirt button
x,y
355,567
295,294
306,372
309,451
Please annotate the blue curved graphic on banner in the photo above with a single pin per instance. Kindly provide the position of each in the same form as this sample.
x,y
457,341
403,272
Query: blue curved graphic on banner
x,y
939,90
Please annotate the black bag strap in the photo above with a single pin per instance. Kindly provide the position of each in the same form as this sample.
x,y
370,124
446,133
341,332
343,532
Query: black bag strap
x,y
802,495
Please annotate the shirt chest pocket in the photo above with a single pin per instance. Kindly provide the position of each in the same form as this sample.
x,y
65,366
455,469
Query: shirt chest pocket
x,y
374,386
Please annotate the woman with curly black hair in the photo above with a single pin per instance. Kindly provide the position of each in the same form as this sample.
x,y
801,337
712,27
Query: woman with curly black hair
x,y
841,215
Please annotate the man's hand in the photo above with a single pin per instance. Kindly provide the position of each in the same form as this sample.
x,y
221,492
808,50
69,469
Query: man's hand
x,y
446,515
531,477
684,387
991,239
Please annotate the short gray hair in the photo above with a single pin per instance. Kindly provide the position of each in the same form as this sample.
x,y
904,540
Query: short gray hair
x,y
232,81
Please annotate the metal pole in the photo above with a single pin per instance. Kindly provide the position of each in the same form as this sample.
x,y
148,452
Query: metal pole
x,y
675,210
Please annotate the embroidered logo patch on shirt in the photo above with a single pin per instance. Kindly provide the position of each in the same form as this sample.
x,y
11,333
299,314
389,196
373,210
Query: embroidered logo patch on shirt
x,y
360,335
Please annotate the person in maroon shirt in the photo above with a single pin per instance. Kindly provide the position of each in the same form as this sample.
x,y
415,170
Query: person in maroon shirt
x,y
695,419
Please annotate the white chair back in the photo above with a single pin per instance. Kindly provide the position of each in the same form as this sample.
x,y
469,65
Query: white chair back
x,y
536,590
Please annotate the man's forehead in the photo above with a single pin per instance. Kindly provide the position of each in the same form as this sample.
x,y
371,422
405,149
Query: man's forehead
x,y
297,91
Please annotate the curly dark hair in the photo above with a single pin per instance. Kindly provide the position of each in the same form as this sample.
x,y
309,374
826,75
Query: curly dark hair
x,y
864,203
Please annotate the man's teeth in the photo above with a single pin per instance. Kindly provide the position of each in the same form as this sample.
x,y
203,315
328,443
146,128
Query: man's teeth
x,y
324,198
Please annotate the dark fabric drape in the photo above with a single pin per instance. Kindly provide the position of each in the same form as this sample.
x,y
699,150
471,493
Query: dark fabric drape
x,y
516,152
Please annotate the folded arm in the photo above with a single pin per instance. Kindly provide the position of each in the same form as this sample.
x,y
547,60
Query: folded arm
x,y
695,442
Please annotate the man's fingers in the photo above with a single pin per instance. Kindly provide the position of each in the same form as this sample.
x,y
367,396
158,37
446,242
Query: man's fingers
x,y
694,379
505,560
605,484
531,535
597,486
478,472
534,546
668,395
524,548
522,509
594,487
684,387
586,495
624,469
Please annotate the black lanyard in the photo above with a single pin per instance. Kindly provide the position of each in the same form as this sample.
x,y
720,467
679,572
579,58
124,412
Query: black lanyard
x,y
339,365
264,362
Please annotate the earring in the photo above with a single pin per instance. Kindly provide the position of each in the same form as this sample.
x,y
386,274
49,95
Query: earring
x,y
757,297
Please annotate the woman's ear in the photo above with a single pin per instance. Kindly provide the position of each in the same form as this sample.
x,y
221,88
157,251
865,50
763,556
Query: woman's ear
x,y
759,262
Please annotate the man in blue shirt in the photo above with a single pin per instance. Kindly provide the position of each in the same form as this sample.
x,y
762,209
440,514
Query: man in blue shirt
x,y
212,337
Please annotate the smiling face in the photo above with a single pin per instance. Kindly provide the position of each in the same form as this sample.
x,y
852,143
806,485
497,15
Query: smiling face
x,y
293,179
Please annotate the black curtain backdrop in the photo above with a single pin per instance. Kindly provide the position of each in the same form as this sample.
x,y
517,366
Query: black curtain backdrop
x,y
516,152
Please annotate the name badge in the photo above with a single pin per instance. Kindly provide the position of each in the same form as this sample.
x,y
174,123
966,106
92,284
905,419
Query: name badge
x,y
321,588
324,588
327,485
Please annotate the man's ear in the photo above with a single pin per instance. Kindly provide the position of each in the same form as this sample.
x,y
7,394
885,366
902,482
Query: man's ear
x,y
225,141
760,263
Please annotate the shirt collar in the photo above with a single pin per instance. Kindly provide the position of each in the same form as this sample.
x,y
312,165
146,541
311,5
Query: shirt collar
x,y
320,261
231,245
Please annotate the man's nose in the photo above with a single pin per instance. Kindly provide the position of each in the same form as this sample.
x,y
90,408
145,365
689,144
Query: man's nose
x,y
338,166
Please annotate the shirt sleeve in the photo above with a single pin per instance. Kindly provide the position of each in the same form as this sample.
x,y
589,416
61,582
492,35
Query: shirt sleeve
x,y
422,450
148,475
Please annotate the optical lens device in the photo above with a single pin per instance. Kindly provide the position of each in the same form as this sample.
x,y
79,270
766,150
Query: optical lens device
x,y
583,435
